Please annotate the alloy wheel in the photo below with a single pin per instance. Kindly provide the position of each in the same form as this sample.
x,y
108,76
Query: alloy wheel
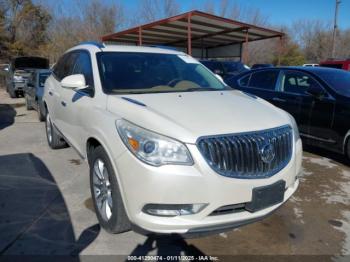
x,y
48,129
102,189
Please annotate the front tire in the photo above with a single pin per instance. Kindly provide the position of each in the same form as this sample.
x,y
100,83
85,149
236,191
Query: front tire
x,y
105,193
54,140
347,149
13,93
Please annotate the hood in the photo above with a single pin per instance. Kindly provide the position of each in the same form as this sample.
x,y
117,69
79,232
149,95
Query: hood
x,y
188,116
30,62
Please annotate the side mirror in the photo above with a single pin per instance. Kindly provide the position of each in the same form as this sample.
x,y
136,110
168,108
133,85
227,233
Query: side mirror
x,y
316,92
74,82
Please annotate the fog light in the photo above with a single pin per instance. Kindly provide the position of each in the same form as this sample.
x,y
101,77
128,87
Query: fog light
x,y
173,210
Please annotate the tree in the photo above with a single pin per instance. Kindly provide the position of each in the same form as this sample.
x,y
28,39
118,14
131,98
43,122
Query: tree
x,y
25,24
290,54
152,10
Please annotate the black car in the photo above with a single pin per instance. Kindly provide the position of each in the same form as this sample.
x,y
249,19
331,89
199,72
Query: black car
x,y
226,69
34,91
318,98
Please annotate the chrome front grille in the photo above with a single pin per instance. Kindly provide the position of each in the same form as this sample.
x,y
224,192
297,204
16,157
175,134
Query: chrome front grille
x,y
249,155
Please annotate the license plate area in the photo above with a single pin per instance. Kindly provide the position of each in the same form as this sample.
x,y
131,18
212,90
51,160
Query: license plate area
x,y
266,196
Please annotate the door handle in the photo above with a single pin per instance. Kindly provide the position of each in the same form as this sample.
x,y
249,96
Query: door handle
x,y
50,93
63,103
278,99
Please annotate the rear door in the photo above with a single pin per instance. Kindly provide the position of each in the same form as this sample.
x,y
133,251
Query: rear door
x,y
65,68
261,83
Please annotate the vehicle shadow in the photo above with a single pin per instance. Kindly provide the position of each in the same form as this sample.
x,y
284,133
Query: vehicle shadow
x,y
166,246
34,219
326,153
7,115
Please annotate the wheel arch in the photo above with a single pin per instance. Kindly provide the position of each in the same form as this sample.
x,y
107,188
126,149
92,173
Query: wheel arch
x,y
93,142
346,141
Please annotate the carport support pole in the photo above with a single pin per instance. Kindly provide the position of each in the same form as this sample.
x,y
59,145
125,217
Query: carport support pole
x,y
189,35
140,36
280,51
245,50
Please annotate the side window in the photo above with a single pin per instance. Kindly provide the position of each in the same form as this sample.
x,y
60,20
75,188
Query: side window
x,y
83,66
297,82
244,81
265,79
64,66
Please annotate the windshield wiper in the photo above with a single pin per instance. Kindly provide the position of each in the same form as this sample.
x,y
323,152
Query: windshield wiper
x,y
204,89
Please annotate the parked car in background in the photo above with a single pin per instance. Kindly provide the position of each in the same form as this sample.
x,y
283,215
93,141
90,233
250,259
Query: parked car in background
x,y
19,71
339,64
171,148
225,69
255,66
317,97
311,65
34,91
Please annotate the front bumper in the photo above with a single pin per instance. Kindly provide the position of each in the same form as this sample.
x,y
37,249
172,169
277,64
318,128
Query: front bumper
x,y
142,184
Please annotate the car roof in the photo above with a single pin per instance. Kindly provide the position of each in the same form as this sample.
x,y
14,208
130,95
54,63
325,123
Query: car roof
x,y
126,48
314,69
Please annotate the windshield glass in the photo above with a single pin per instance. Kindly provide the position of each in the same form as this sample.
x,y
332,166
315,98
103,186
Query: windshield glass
x,y
338,80
42,79
126,72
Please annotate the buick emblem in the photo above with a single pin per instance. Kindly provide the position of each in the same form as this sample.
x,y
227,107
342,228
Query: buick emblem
x,y
267,153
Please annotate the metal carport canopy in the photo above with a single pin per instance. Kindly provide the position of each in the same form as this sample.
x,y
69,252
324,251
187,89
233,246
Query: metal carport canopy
x,y
193,29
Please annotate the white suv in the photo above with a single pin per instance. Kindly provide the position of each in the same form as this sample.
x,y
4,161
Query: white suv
x,y
171,148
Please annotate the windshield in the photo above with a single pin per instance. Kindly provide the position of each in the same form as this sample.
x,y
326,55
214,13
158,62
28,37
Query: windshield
x,y
42,79
338,80
126,72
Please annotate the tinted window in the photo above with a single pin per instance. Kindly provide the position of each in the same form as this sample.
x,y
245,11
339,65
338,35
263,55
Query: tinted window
x,y
296,82
148,72
338,80
83,66
264,79
64,66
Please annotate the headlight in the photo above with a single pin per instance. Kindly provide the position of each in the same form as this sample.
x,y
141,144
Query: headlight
x,y
152,148
295,127
18,78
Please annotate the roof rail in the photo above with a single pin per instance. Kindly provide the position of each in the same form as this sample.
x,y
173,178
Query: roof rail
x,y
164,47
97,44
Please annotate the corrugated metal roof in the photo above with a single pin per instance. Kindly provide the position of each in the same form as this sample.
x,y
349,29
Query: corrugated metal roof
x,y
205,31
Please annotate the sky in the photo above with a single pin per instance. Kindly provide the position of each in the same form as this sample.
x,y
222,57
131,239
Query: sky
x,y
279,12
282,12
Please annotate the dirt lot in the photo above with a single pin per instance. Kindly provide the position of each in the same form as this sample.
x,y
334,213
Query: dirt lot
x,y
45,205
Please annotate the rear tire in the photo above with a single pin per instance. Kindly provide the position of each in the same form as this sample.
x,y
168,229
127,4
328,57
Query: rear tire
x,y
106,196
41,114
28,104
54,140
